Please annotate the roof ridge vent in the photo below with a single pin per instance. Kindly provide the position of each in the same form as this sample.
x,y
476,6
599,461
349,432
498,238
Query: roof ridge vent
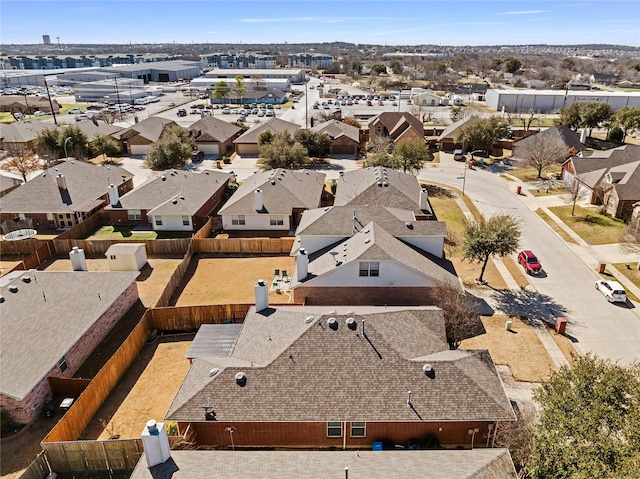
x,y
308,319
379,183
332,323
26,279
367,241
241,378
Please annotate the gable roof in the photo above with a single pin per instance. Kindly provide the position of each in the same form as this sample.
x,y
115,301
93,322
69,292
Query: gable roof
x,y
86,183
336,129
189,189
366,186
93,128
282,191
478,463
212,129
46,316
150,128
274,125
591,166
561,135
8,182
373,243
21,131
292,352
625,179
398,124
451,130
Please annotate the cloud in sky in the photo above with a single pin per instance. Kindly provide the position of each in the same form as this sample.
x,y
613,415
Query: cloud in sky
x,y
524,12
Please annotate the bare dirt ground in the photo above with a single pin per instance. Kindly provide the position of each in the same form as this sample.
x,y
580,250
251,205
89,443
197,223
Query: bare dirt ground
x,y
151,282
230,280
145,391
7,263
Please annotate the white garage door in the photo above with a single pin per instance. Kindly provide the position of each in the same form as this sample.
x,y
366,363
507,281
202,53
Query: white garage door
x,y
209,149
139,149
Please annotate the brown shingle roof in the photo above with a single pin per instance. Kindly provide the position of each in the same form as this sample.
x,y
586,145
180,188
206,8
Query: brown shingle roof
x,y
150,128
561,135
336,129
397,124
212,129
275,125
337,374
93,129
21,132
450,131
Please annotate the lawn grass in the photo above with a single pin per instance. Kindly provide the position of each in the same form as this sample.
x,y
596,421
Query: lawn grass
x,y
590,225
516,271
508,178
121,232
531,174
632,274
548,192
562,233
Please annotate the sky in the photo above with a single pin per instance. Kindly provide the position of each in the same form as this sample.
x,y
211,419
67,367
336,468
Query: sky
x,y
388,22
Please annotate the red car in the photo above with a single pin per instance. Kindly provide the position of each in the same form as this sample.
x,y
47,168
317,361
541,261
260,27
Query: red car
x,y
529,262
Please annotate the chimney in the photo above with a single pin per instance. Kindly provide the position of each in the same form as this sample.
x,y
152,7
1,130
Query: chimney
x,y
262,295
62,181
78,261
258,204
114,197
583,136
155,443
302,264
424,199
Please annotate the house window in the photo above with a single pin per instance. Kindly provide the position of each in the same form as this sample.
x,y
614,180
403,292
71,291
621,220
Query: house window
x,y
185,221
276,220
369,268
158,220
135,215
611,203
63,364
237,220
334,429
68,215
112,256
359,429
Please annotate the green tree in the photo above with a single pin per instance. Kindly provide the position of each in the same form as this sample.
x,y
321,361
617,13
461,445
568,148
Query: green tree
x,y
570,116
265,138
172,150
106,145
356,66
48,145
221,91
282,152
482,133
412,155
628,119
396,67
316,143
76,140
240,88
590,422
383,158
498,235
594,114
379,68
512,65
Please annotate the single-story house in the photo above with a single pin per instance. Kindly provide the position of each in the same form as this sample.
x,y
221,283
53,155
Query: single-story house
x,y
21,135
345,139
380,186
213,136
247,143
64,195
93,128
396,126
137,139
372,267
351,375
27,105
429,98
172,200
50,322
273,200
560,136
447,139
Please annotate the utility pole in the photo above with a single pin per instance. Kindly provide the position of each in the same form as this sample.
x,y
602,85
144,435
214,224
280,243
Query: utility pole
x,y
55,120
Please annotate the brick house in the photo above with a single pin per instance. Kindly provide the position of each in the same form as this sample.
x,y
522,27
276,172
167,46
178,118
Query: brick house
x,y
247,143
213,136
447,139
18,103
345,139
50,323
173,200
341,377
20,135
562,136
63,195
396,126
137,139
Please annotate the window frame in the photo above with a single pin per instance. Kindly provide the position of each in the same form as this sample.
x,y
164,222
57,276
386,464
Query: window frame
x,y
62,364
134,215
360,425
276,220
238,220
369,269
158,220
334,425
186,221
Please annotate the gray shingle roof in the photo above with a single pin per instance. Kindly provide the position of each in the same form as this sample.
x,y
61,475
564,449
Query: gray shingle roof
x,y
398,124
275,125
366,186
191,190
562,135
150,128
21,131
212,129
592,166
86,182
46,317
479,463
93,129
451,130
373,243
282,191
336,129
7,182
300,357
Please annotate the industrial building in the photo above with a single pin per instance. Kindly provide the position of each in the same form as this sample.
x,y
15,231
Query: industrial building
x,y
293,75
117,90
170,71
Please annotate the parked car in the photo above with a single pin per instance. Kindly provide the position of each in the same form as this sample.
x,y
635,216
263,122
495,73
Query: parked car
x,y
612,290
197,156
41,113
458,156
182,112
75,111
270,113
172,103
369,103
395,103
529,262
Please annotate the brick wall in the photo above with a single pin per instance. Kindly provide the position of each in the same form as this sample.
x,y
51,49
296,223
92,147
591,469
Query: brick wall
x,y
338,296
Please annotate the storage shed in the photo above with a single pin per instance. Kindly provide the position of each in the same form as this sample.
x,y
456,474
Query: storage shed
x,y
127,256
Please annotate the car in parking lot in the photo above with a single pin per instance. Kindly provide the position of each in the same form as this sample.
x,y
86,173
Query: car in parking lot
x,y
41,113
529,262
182,112
171,103
394,103
380,103
270,113
242,119
326,107
458,156
226,111
75,111
612,290
262,112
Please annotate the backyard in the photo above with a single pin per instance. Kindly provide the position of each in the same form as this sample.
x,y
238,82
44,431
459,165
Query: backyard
x,y
127,231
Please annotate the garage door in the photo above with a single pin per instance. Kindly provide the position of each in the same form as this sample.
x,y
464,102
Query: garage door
x,y
139,149
248,149
343,150
208,149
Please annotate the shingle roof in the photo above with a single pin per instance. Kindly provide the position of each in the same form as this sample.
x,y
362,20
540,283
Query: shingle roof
x,y
274,125
86,182
366,186
46,316
150,128
189,189
95,128
298,356
397,124
212,129
339,221
563,135
373,243
592,166
21,131
451,130
282,190
336,129
7,182
479,463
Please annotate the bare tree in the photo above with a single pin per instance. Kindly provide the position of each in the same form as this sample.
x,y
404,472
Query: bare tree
x,y
461,317
22,161
540,152
517,437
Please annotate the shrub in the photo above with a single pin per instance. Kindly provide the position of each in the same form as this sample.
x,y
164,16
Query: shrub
x,y
616,134
226,160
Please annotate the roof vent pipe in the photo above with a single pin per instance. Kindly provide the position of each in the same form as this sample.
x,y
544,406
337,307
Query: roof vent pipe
x,y
62,181
155,443
364,333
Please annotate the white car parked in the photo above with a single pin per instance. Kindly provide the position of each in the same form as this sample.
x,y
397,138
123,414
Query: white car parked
x,y
612,290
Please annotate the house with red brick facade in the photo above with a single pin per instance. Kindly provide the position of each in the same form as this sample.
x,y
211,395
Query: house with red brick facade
x,y
62,196
173,200
213,136
137,139
345,139
50,322
341,377
396,126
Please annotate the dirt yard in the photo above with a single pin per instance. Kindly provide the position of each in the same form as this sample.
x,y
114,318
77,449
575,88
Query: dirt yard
x,y
520,348
151,282
145,392
7,263
230,280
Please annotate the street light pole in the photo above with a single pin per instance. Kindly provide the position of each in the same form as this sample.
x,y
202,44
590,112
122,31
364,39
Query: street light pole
x,y
306,104
65,146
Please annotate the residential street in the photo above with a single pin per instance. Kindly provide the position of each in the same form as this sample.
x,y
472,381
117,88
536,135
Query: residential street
x,y
567,286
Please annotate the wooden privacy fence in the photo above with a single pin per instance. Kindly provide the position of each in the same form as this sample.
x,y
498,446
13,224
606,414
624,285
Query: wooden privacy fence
x,y
21,247
175,279
190,318
38,469
35,259
116,454
205,231
243,245
67,387
100,247
81,230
